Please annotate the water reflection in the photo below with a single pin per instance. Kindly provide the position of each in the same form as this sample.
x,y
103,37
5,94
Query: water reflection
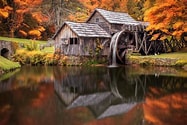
x,y
120,91
93,96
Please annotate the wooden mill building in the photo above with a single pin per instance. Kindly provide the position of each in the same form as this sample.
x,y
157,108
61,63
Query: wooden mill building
x,y
110,21
79,39
82,39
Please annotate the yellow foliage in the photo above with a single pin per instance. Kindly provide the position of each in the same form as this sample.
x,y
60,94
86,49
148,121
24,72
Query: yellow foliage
x,y
178,25
36,33
41,28
21,51
3,13
163,38
78,17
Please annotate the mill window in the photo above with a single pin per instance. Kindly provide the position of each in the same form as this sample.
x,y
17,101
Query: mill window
x,y
97,20
73,41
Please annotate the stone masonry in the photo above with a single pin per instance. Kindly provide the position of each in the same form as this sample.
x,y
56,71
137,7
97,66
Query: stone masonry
x,y
6,46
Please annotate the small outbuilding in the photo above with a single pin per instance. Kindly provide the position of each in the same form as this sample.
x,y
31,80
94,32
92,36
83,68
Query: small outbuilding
x,y
81,39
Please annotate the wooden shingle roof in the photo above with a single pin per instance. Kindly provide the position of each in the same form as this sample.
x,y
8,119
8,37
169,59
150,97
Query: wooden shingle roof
x,y
115,17
86,30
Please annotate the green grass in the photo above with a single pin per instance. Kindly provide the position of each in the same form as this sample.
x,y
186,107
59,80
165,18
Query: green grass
x,y
9,74
19,40
48,49
6,64
182,54
166,59
29,41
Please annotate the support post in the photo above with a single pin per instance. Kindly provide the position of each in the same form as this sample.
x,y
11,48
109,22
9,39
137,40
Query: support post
x,y
136,40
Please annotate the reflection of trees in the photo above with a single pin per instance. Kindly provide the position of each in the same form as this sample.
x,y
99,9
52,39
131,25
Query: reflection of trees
x,y
163,96
169,109
127,85
162,85
28,76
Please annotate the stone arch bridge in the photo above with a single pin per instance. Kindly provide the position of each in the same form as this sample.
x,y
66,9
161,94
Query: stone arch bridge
x,y
6,49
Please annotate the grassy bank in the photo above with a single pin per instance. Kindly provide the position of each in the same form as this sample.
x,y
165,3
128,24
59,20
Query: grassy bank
x,y
178,59
7,65
19,40
28,42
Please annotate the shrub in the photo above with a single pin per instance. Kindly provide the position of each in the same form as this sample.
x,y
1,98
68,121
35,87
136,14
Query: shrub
x,y
35,57
32,46
48,59
20,56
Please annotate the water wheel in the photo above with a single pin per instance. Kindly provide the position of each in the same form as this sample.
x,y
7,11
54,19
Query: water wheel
x,y
120,44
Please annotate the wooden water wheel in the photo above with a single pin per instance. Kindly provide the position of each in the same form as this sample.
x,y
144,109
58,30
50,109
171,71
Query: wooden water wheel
x,y
120,44
125,43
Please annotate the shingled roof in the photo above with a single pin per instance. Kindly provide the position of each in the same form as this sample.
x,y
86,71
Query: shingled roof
x,y
85,30
115,17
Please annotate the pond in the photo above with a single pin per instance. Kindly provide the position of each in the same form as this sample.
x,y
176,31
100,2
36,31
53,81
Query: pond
x,y
94,96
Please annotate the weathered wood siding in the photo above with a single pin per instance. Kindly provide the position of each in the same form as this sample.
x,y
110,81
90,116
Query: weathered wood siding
x,y
89,45
98,19
62,42
116,28
84,47
110,28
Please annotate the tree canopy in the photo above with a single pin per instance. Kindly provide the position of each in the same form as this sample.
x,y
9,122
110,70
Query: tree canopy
x,y
170,17
40,18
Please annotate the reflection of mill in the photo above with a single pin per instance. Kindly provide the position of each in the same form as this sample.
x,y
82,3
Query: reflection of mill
x,y
103,99
127,87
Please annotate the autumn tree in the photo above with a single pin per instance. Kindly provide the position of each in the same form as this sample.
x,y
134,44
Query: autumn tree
x,y
4,9
113,5
136,9
169,17
19,9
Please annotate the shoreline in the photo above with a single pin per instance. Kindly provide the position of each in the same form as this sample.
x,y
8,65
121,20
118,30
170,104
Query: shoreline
x,y
7,65
163,60
157,61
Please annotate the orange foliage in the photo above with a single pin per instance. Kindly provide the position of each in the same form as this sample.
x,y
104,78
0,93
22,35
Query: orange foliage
x,y
39,17
41,29
30,3
4,12
35,33
20,8
169,17
24,6
170,107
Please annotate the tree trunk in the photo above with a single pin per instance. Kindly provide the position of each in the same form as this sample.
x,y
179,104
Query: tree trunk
x,y
12,33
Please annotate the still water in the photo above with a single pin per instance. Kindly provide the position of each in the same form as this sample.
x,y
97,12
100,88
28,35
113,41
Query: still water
x,y
94,96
